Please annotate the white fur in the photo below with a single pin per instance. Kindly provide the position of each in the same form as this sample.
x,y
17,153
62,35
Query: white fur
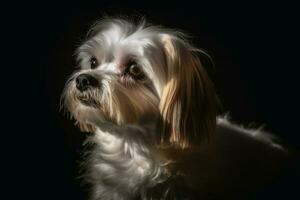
x,y
255,133
126,160
122,161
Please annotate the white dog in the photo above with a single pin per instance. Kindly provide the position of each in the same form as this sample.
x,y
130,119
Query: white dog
x,y
143,92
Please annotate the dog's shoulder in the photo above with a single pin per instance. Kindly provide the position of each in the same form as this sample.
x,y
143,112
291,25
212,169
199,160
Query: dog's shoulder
x,y
253,146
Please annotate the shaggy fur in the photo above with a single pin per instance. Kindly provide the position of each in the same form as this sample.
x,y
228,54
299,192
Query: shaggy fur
x,y
153,115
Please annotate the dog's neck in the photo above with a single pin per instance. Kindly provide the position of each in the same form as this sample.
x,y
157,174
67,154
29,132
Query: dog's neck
x,y
125,157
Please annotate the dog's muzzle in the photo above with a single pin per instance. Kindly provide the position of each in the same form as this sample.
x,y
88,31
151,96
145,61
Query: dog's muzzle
x,y
85,82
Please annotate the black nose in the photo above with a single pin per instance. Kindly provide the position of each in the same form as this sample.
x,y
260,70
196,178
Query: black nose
x,y
86,81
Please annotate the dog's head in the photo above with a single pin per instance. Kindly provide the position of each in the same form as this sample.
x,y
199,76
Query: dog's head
x,y
134,72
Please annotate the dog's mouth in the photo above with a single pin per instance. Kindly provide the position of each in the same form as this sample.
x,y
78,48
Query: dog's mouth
x,y
87,100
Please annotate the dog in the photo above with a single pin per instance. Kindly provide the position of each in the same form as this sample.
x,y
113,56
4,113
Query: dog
x,y
153,111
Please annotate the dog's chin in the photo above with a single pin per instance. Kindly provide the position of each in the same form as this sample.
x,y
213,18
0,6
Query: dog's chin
x,y
89,102
87,99
86,115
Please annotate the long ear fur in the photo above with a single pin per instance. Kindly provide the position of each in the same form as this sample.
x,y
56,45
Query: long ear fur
x,y
188,101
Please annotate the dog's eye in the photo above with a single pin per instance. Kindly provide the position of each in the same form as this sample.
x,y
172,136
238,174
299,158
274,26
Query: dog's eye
x,y
93,62
135,70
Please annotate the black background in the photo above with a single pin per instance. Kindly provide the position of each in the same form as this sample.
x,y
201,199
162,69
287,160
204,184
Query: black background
x,y
254,46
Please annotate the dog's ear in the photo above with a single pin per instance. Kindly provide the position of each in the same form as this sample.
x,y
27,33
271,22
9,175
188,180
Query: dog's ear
x,y
188,101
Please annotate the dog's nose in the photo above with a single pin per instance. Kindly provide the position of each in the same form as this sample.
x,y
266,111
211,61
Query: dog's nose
x,y
86,81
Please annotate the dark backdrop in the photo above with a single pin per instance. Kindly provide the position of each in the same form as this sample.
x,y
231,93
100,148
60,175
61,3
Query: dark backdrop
x,y
253,44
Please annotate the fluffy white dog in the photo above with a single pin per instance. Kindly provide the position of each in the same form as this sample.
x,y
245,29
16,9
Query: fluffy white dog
x,y
152,108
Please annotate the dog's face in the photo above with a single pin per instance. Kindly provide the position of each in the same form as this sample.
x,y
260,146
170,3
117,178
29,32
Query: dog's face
x,y
129,73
